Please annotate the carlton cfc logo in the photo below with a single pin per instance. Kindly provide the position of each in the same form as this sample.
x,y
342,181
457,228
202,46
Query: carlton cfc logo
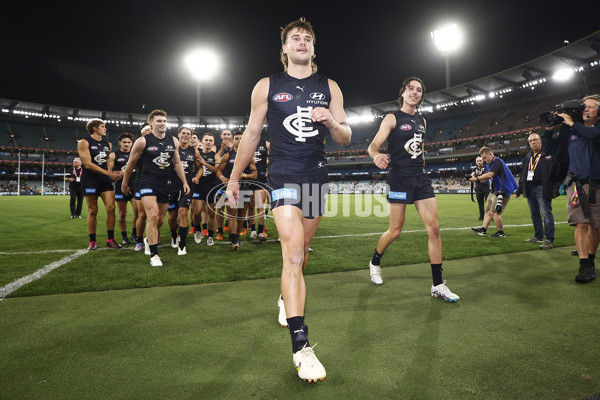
x,y
282,97
406,127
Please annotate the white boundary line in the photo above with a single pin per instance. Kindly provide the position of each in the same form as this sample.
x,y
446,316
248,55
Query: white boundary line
x,y
8,253
422,230
11,287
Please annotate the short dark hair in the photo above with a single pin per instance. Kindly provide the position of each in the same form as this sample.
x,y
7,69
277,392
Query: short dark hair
x,y
125,135
185,127
154,113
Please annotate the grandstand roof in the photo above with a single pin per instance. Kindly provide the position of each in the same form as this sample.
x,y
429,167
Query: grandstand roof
x,y
582,56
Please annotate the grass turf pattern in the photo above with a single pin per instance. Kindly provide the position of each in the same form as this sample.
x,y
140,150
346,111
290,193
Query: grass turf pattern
x,y
522,329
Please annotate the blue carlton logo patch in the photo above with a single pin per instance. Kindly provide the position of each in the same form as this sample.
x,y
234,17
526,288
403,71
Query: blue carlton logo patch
x,y
285,193
91,190
397,195
145,191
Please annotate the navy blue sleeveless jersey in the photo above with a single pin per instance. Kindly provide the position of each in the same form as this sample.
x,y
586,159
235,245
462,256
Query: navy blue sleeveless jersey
x,y
296,142
405,144
157,161
230,162
99,152
121,160
260,159
208,177
188,158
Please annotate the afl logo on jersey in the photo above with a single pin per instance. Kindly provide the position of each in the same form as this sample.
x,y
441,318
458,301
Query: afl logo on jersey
x,y
406,127
152,148
94,147
283,97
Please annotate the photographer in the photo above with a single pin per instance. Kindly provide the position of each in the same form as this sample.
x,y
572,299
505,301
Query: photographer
x,y
583,200
537,185
503,185
482,187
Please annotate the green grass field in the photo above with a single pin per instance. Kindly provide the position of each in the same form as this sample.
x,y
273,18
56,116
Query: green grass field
x,y
107,325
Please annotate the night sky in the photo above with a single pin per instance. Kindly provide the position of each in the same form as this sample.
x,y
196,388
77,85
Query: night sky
x,y
119,56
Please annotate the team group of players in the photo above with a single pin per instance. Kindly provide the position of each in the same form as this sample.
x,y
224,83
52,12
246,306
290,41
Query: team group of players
x,y
155,172
300,107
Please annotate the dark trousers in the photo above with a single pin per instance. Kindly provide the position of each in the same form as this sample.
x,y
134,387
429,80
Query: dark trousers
x,y
76,197
481,199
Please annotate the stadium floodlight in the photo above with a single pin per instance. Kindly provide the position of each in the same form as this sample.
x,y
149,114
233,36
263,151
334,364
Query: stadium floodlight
x,y
203,65
563,74
447,40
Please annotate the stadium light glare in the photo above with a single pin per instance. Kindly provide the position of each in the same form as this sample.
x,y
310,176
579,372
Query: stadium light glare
x,y
563,74
203,64
447,40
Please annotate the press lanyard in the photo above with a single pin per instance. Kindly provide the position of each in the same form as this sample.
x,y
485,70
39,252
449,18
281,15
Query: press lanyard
x,y
77,177
532,167
531,164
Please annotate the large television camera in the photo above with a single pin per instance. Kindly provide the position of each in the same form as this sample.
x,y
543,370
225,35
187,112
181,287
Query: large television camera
x,y
574,108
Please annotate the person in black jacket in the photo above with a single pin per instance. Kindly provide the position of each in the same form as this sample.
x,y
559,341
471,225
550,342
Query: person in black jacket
x,y
74,178
536,184
482,187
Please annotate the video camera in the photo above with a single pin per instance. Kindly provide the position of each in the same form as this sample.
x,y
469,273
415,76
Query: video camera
x,y
574,108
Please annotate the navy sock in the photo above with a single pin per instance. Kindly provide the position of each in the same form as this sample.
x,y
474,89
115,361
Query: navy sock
x,y
204,226
436,273
376,260
182,237
153,250
110,235
174,234
299,333
210,233
92,237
